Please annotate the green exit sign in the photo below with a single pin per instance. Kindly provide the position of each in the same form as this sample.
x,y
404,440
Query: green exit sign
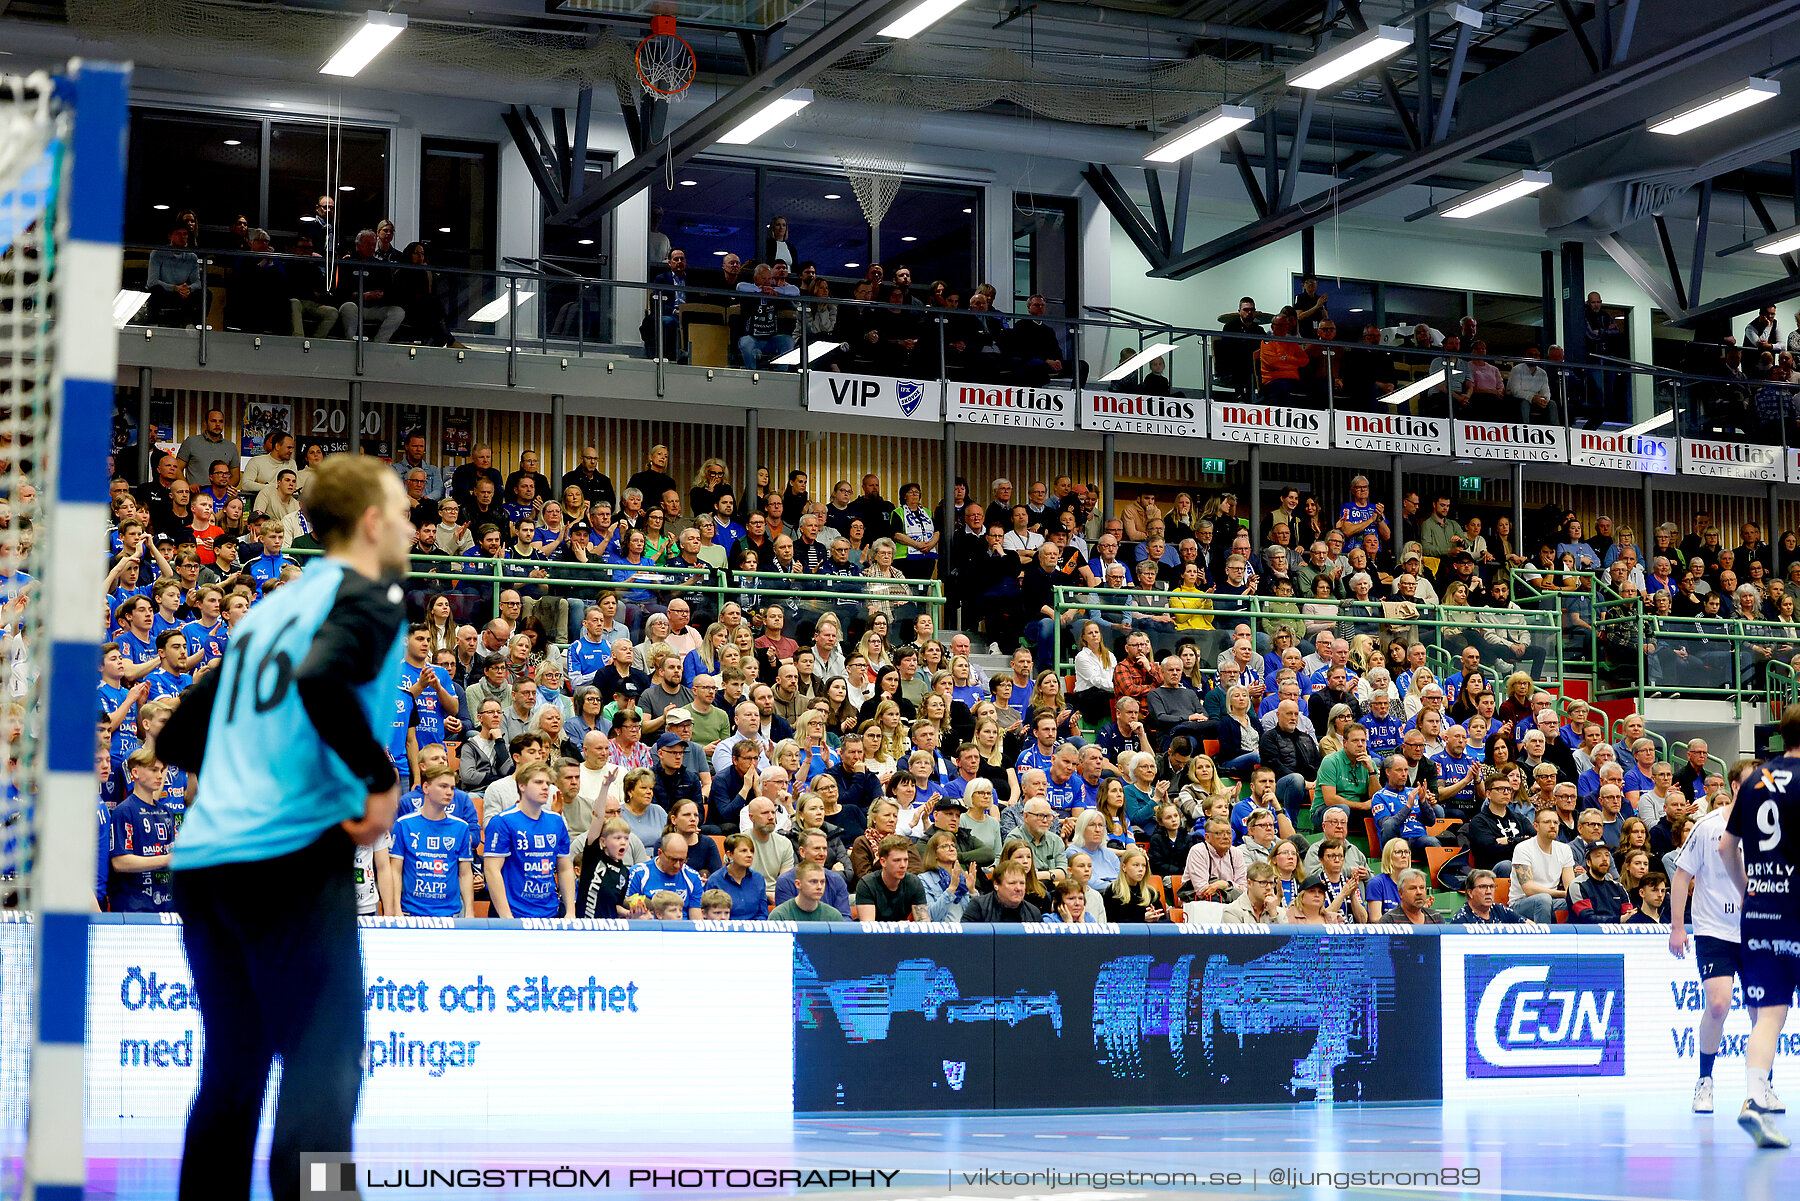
x,y
1212,466
1469,483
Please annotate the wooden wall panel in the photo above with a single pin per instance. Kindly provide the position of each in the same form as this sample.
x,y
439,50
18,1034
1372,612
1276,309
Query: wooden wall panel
x,y
827,457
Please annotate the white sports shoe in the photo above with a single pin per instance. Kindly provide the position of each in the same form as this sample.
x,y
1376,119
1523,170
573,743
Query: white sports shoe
x,y
993,648
1759,1124
1768,1100
1703,1095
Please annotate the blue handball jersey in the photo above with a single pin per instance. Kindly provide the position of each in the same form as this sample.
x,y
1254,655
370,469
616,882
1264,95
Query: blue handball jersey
x,y
531,849
270,783
430,855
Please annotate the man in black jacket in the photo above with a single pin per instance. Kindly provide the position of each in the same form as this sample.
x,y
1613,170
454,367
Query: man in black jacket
x,y
1035,350
1491,834
733,788
1293,755
361,294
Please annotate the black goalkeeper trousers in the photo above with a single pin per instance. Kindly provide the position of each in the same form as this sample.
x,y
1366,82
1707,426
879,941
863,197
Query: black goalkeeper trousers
x,y
278,972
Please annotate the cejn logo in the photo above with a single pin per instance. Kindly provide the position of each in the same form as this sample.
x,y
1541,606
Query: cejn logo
x,y
1544,1015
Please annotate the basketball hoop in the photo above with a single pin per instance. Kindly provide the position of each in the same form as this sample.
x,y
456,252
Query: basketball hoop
x,y
665,63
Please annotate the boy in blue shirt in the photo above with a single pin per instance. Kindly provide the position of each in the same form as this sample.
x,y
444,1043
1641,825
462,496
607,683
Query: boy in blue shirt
x,y
431,755
526,852
205,634
142,833
269,564
133,619
118,711
434,852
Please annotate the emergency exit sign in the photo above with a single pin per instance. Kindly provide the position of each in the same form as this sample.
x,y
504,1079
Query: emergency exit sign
x,y
1469,483
1212,466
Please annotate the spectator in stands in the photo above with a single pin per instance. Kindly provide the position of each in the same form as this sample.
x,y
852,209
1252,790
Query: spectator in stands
x,y
363,284
1233,357
175,282
1034,348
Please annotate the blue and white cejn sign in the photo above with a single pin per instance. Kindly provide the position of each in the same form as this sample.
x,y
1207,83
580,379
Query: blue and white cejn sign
x,y
1562,1014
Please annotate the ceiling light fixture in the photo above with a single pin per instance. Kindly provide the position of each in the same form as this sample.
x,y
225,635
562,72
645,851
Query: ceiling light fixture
x,y
834,196
378,29
1779,242
443,229
495,309
1200,133
852,264
584,241
909,238
1504,190
1138,360
1347,60
919,18
767,117
1716,106
346,187
233,142
161,208
690,183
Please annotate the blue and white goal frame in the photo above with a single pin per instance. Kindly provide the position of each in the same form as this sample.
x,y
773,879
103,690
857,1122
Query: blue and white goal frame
x,y
74,482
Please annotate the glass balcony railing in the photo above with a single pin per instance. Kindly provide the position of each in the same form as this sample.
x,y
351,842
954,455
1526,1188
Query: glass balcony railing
x,y
913,361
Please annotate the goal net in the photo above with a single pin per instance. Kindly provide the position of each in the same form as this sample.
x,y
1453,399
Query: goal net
x,y
61,192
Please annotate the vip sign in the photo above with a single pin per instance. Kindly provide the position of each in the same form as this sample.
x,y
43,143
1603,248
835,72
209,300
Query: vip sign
x,y
1268,425
1510,441
872,396
1392,433
1156,416
1732,460
1012,407
1622,452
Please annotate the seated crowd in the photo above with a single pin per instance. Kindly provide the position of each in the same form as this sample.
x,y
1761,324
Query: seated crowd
x,y
733,714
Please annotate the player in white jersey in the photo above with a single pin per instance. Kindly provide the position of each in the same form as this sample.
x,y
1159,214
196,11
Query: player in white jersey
x,y
1765,825
1715,915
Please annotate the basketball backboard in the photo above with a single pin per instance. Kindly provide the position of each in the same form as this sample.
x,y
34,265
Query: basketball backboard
x,y
747,15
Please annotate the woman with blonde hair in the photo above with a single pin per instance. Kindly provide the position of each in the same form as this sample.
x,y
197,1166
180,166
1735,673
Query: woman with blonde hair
x,y
816,758
1202,783
703,660
1047,697
1339,719
440,625
711,481
873,648
1131,899
1422,677
934,710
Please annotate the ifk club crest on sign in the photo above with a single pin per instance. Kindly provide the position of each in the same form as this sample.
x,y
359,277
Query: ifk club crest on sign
x,y
872,396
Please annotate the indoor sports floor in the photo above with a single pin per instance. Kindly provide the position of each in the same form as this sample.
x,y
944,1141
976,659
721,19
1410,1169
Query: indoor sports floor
x,y
1595,1151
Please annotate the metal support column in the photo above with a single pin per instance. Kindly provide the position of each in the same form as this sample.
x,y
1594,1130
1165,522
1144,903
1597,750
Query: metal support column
x,y
952,527
1109,476
747,491
1547,336
1647,534
146,440
1774,526
1397,509
1574,296
1518,507
559,435
1253,503
356,417
1308,252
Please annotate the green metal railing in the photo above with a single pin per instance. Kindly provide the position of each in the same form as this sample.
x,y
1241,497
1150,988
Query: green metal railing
x,y
1583,600
1781,688
582,583
1540,628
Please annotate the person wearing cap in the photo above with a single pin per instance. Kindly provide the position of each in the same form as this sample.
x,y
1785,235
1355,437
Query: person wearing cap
x,y
1312,906
680,722
673,781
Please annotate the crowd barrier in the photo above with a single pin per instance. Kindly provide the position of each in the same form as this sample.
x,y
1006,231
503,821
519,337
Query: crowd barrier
x,y
491,1021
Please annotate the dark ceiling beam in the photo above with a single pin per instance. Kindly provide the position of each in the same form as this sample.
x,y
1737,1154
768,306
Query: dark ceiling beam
x,y
1785,288
1669,261
799,66
1397,102
1234,151
1702,229
1581,37
1159,214
1577,98
1668,299
1459,61
1297,150
1125,211
1627,26
539,161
